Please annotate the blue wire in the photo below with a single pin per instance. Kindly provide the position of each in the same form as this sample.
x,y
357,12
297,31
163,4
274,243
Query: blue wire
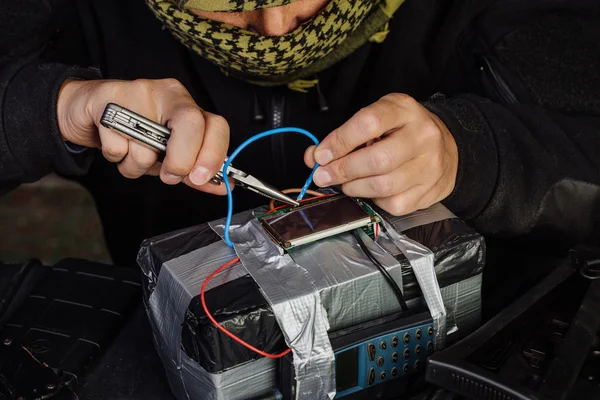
x,y
242,147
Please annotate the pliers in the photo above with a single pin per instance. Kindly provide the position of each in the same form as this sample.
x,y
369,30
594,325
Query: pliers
x,y
156,136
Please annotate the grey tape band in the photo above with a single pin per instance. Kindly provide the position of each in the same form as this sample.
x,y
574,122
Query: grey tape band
x,y
437,212
177,284
295,301
422,262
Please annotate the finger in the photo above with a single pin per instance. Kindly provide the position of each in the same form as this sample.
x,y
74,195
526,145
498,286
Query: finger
x,y
403,203
309,156
138,161
369,123
213,151
114,146
187,132
210,188
155,169
411,174
380,158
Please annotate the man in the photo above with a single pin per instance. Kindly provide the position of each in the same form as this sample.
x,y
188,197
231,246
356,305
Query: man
x,y
490,107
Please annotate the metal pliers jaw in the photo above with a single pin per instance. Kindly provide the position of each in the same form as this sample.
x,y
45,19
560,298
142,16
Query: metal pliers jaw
x,y
253,184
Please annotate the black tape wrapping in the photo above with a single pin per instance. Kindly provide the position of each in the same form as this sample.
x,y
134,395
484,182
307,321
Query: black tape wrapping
x,y
240,307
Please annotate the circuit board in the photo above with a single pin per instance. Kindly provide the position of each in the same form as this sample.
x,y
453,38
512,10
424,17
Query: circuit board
x,y
317,219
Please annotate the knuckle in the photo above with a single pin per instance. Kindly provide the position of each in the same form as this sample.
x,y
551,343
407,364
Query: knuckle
x,y
430,131
437,161
172,84
145,159
340,142
341,171
113,152
399,207
177,169
143,87
383,185
384,160
192,116
369,121
399,99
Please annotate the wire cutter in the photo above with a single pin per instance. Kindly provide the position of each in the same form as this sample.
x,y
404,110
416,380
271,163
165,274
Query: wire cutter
x,y
156,136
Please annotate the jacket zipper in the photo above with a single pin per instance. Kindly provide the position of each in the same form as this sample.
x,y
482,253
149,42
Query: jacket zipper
x,y
277,141
500,85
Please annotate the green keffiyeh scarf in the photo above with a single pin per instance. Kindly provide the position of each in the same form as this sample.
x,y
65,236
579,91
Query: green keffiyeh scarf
x,y
339,29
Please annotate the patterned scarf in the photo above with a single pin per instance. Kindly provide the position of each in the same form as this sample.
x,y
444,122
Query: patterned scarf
x,y
339,29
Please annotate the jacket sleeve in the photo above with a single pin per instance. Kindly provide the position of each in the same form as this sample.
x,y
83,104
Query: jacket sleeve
x,y
31,145
529,140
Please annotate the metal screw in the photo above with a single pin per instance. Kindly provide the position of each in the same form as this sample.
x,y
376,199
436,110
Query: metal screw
x,y
7,341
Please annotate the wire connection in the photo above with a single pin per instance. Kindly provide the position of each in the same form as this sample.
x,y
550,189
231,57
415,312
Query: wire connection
x,y
242,147
383,271
296,190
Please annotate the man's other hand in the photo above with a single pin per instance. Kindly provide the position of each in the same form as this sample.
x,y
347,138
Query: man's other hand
x,y
410,160
195,151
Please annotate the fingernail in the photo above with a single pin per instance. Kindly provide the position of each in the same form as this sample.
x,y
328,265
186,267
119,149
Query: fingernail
x,y
322,177
199,176
172,178
323,156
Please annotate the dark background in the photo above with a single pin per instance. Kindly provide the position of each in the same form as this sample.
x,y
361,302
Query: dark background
x,y
50,220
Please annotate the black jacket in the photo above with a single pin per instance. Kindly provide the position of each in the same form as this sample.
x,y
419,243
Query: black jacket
x,y
517,83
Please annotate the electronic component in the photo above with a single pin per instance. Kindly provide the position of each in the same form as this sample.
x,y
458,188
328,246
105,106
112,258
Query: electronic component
x,y
367,357
321,218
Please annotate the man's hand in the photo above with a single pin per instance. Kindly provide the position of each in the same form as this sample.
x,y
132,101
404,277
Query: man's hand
x,y
410,161
197,146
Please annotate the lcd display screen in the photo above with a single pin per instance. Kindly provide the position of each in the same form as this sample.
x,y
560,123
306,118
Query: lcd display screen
x,y
316,218
346,370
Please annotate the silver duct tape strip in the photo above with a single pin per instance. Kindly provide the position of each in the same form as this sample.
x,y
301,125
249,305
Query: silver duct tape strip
x,y
295,301
247,381
352,289
462,301
178,282
422,262
436,212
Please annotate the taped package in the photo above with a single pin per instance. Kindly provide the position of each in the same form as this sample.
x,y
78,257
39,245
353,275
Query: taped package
x,y
275,301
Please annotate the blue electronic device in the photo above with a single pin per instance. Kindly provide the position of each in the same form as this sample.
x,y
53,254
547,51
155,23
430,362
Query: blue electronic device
x,y
371,359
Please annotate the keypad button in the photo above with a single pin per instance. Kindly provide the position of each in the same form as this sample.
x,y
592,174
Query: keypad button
x,y
430,331
395,356
406,337
418,334
371,379
417,365
380,361
382,375
383,345
371,351
405,368
395,341
406,353
429,346
418,349
394,371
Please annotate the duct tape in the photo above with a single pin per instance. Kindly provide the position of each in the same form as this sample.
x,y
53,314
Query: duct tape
x,y
421,260
436,212
295,300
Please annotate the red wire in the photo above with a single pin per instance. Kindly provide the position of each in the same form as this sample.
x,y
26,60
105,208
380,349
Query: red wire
x,y
225,331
